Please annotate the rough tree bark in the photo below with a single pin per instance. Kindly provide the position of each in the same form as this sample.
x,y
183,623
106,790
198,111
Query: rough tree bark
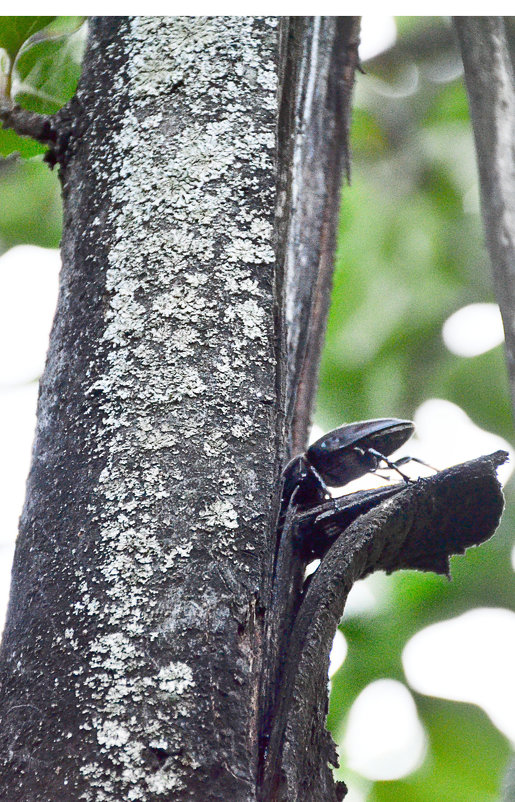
x,y
200,163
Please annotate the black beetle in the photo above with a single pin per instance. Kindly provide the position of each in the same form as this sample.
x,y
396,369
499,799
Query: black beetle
x,y
342,455
309,523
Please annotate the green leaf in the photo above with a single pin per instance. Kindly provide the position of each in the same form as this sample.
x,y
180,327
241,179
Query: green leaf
x,y
10,143
64,26
47,71
14,31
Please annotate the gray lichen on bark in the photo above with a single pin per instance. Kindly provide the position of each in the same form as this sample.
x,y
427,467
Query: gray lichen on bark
x,y
172,213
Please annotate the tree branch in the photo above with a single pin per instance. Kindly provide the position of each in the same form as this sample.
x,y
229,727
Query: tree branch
x,y
27,123
419,527
316,109
490,88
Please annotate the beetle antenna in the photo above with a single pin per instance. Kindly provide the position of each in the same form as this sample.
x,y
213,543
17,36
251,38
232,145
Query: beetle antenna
x,y
404,460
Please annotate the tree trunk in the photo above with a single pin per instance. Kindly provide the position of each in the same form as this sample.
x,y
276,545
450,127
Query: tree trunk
x,y
200,163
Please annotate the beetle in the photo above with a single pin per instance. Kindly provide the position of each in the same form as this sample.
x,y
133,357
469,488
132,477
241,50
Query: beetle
x,y
338,457
341,455
308,522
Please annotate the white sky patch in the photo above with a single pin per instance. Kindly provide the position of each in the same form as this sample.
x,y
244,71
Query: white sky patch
x,y
366,596
29,279
355,794
473,330
384,737
338,653
445,436
311,568
315,434
470,658
378,33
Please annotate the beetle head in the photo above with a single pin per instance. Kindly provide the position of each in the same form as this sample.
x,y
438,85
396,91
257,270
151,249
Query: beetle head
x,y
299,475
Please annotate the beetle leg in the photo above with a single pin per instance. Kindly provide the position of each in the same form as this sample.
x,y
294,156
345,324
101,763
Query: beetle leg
x,y
392,465
322,485
371,455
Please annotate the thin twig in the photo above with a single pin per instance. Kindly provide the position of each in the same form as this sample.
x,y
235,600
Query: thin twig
x,y
28,123
490,87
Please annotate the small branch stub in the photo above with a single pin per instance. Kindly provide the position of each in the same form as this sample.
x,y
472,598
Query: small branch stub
x,y
28,123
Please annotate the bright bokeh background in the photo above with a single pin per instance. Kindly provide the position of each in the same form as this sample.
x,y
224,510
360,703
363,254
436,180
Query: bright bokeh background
x,y
423,699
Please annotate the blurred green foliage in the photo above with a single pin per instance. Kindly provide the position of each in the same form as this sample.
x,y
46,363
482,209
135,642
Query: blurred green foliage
x,y
410,253
16,31
30,204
